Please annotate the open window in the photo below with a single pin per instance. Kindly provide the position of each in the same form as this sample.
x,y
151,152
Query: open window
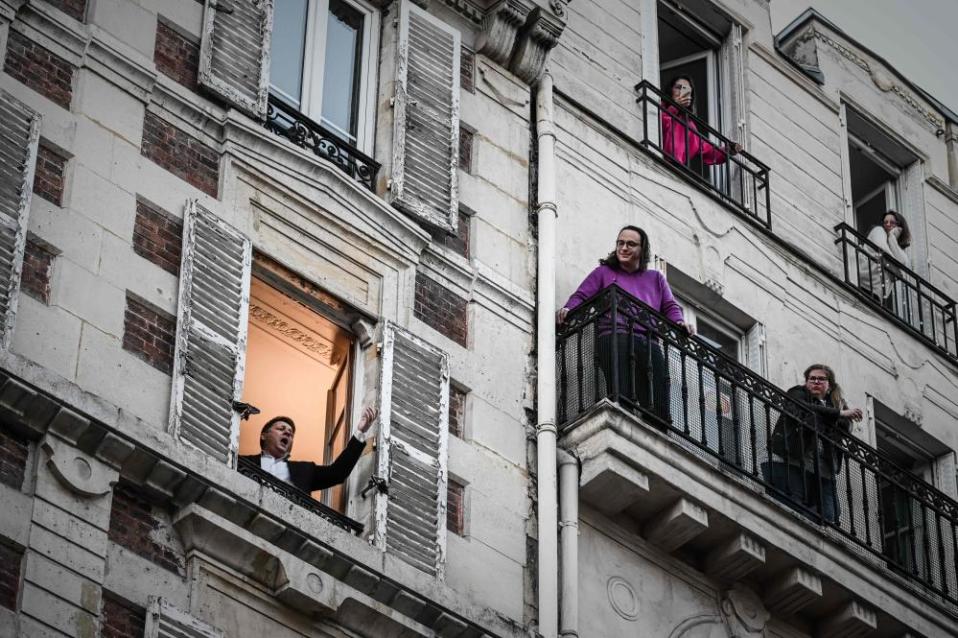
x,y
907,527
299,363
323,64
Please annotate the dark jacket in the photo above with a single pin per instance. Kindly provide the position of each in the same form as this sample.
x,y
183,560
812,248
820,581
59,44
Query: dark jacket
x,y
309,476
791,439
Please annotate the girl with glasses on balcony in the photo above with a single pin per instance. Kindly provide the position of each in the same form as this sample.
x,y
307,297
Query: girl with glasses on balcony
x,y
627,267
681,140
880,277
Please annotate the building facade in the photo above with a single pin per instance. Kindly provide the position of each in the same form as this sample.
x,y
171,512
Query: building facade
x,y
219,212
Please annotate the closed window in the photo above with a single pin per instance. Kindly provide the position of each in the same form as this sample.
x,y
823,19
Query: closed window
x,y
321,62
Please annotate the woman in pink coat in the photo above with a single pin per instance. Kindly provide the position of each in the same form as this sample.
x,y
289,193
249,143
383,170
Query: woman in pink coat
x,y
680,144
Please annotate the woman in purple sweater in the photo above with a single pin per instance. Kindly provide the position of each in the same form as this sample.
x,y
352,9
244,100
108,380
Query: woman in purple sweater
x,y
628,267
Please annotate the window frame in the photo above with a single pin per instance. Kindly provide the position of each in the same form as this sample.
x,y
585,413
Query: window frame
x,y
314,69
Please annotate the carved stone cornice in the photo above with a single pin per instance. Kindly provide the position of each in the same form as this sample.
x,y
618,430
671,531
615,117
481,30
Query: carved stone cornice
x,y
500,28
539,36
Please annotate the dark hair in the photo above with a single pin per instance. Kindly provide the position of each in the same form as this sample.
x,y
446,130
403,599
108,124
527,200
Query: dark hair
x,y
276,419
688,79
834,390
612,261
904,238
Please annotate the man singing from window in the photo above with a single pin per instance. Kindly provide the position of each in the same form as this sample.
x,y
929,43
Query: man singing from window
x,y
276,443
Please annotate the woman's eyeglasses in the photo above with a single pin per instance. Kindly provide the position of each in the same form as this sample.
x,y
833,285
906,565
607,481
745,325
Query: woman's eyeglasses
x,y
629,244
818,379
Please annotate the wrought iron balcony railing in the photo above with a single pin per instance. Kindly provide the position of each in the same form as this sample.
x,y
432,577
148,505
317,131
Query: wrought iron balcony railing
x,y
898,292
696,150
297,496
287,121
616,347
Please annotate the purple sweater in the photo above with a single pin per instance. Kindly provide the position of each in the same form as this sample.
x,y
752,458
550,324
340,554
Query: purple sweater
x,y
649,285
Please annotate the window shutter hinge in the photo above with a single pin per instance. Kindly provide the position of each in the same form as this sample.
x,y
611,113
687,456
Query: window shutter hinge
x,y
389,184
377,482
392,102
219,5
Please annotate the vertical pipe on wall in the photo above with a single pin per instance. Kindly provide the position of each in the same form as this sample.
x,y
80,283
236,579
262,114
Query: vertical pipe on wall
x,y
569,542
545,362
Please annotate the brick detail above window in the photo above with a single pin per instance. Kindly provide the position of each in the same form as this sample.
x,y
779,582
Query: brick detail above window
x,y
37,269
158,237
441,309
458,243
457,411
176,56
10,561
456,508
149,333
48,177
14,451
76,9
466,138
180,153
121,621
467,69
40,69
136,525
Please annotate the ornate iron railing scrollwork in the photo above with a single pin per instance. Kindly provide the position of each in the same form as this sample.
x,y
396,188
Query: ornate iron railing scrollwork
x,y
297,496
741,181
288,122
615,347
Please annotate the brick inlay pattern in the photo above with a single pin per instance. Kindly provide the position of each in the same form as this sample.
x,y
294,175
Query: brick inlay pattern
x,y
48,178
158,237
441,309
455,508
467,69
458,243
176,56
37,269
120,621
466,138
10,561
180,153
40,69
149,333
136,526
14,451
76,9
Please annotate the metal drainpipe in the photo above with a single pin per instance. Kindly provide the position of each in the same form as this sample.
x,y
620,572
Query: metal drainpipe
x,y
545,363
569,536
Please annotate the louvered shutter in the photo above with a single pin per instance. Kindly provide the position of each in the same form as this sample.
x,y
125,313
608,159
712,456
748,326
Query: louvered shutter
x,y
166,621
234,52
210,333
413,438
19,138
426,126
755,348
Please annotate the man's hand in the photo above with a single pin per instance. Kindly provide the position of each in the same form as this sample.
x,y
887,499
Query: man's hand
x,y
368,418
855,414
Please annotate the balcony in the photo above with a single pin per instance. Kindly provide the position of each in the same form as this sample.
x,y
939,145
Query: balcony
x,y
297,496
740,181
709,458
288,122
899,293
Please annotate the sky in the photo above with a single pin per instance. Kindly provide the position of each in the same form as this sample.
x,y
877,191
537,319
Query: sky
x,y
917,37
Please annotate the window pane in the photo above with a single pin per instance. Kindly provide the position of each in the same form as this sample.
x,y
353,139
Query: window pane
x,y
718,339
344,45
287,49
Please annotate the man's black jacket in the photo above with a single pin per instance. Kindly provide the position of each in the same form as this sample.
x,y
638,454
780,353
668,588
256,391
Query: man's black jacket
x,y
309,476
790,435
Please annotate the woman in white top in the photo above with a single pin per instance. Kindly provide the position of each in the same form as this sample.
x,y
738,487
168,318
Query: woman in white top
x,y
892,237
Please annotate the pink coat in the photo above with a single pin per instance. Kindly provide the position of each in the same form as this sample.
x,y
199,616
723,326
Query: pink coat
x,y
674,135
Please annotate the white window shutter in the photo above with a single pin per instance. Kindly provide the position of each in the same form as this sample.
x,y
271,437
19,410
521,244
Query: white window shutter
x,y
211,329
413,440
163,620
426,126
234,52
755,349
19,139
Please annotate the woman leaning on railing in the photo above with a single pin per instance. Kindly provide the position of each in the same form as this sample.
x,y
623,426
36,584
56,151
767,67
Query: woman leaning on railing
x,y
627,267
681,139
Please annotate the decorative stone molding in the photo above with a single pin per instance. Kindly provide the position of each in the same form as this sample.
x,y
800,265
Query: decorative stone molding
x,y
623,599
744,613
466,9
500,28
81,473
538,37
311,341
